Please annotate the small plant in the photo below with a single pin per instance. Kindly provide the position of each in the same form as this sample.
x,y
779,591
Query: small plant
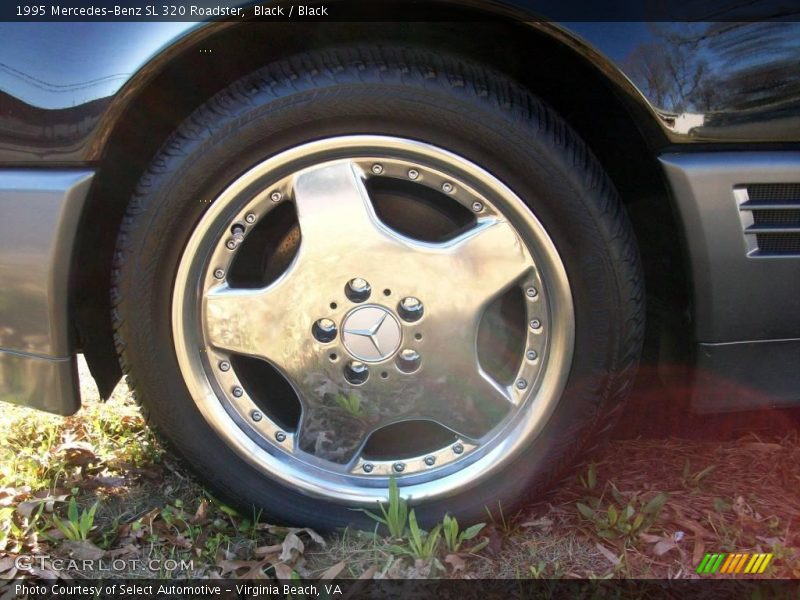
x,y
590,481
623,519
422,545
77,525
453,538
693,481
538,571
394,514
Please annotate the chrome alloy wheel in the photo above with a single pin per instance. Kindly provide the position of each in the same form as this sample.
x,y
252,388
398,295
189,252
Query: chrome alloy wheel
x,y
370,326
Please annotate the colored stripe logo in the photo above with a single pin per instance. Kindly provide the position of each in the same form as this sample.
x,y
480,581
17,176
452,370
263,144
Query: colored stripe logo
x,y
731,564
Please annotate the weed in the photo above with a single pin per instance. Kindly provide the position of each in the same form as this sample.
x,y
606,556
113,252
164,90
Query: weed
x,y
78,524
394,514
423,545
622,519
693,481
454,538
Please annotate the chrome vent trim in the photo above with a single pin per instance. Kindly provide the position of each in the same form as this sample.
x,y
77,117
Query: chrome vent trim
x,y
770,217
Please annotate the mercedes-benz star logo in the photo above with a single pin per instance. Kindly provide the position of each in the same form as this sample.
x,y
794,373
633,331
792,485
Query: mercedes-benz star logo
x,y
371,333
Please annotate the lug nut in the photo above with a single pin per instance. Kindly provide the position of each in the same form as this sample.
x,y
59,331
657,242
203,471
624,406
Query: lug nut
x,y
324,330
367,467
377,169
219,274
531,355
477,207
447,187
413,173
356,372
531,292
275,196
280,436
521,384
458,448
410,309
535,323
430,460
224,365
357,289
250,218
408,360
256,416
399,467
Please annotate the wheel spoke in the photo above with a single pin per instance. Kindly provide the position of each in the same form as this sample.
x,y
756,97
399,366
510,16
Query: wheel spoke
x,y
335,215
257,322
487,260
334,428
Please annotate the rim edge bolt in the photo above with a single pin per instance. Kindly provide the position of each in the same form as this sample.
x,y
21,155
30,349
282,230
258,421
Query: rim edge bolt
x,y
413,174
447,187
367,467
224,365
458,448
219,274
521,384
256,416
531,355
377,169
250,218
531,292
430,460
399,467
230,244
280,436
238,392
535,323
477,207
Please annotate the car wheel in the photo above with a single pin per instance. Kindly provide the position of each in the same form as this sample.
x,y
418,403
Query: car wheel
x,y
365,263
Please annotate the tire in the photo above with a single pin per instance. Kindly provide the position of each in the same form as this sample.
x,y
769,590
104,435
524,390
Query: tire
x,y
571,217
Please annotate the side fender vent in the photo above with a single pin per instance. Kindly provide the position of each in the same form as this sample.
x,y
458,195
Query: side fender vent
x,y
770,214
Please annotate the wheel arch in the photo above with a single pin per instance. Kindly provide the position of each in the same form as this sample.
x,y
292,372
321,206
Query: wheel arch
x,y
598,101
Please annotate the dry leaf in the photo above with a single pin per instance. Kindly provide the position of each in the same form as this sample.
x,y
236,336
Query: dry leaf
x,y
456,562
664,546
112,482
283,571
292,547
264,550
83,549
332,572
77,454
699,550
545,523
201,514
612,558
254,568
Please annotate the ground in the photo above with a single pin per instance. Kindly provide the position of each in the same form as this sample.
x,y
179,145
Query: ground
x,y
99,486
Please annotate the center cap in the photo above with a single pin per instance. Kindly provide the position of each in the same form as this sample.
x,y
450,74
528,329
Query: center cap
x,y
371,333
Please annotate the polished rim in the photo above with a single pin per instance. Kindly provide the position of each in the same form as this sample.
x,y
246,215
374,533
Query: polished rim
x,y
373,328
